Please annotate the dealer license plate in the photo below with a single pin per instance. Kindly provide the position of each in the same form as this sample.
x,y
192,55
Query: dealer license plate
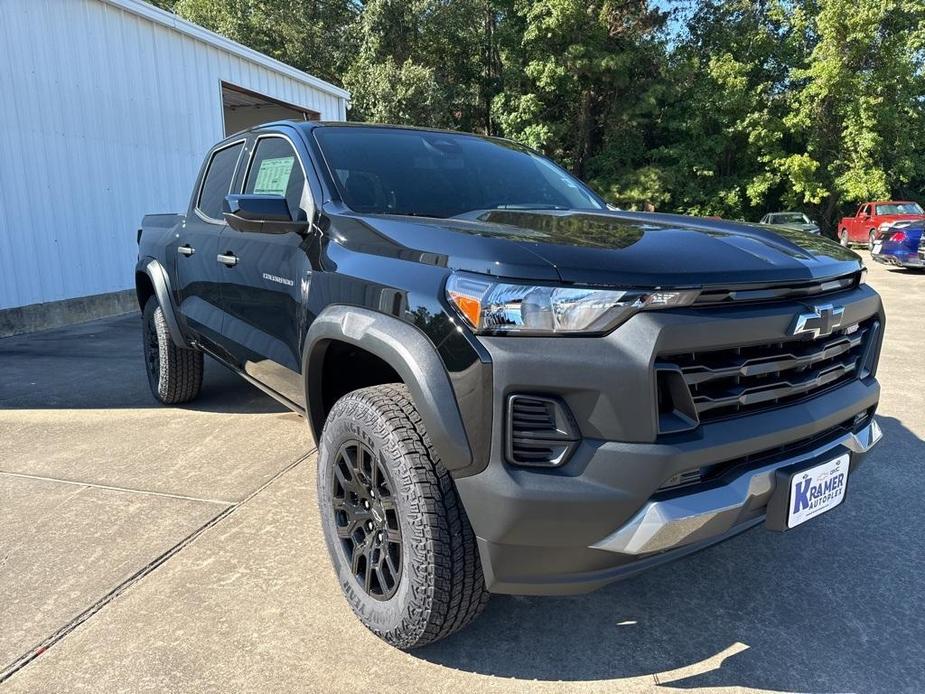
x,y
816,490
877,246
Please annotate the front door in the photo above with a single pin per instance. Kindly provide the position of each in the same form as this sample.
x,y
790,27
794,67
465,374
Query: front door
x,y
861,223
199,273
262,292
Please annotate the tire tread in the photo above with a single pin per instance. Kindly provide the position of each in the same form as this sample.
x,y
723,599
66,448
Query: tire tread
x,y
181,369
455,593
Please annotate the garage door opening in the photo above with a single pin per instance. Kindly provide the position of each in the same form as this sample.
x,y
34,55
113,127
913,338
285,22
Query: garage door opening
x,y
244,109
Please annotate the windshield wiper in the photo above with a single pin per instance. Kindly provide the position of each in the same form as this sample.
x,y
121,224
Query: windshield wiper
x,y
529,206
520,207
413,214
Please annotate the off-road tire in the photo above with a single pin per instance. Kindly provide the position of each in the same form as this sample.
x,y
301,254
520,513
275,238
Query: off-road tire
x,y
843,237
871,235
441,586
174,372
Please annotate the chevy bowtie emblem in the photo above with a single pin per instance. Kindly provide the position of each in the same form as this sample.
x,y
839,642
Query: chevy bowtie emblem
x,y
820,322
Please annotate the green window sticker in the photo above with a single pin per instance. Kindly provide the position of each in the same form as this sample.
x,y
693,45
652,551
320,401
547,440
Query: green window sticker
x,y
273,176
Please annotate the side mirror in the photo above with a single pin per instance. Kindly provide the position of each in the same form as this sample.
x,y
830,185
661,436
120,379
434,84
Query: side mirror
x,y
269,214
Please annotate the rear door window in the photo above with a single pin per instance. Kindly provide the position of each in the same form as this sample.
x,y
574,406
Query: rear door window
x,y
217,182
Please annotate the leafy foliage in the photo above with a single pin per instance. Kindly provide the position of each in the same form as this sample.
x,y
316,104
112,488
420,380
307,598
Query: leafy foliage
x,y
714,107
310,34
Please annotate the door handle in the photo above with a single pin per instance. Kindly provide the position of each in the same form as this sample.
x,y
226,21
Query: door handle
x,y
186,250
228,259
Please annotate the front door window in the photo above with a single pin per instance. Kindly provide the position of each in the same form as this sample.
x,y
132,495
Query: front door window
x,y
276,170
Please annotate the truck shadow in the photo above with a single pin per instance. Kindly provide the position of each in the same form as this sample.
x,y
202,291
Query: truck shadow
x,y
823,608
100,365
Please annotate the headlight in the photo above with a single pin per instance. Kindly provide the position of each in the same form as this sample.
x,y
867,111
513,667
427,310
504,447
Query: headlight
x,y
526,309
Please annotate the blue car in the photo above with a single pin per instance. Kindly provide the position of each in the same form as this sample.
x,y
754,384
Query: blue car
x,y
898,245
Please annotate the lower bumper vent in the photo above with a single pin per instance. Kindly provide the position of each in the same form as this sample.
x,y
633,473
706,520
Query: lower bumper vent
x,y
540,431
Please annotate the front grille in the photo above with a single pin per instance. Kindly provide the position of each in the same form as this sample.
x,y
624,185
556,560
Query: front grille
x,y
741,380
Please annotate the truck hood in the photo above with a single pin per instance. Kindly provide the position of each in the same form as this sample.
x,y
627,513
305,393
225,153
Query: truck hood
x,y
603,248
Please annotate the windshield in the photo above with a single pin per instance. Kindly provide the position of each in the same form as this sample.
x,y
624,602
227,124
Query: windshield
x,y
791,218
431,174
900,208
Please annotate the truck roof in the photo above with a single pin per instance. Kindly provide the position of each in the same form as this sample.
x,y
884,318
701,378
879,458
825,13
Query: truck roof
x,y
310,125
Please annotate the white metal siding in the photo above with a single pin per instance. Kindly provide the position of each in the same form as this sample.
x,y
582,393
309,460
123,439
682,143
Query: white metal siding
x,y
105,116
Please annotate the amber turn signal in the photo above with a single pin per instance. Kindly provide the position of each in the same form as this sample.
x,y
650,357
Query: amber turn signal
x,y
469,306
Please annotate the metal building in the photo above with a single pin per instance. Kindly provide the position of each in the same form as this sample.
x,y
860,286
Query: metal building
x,y
106,110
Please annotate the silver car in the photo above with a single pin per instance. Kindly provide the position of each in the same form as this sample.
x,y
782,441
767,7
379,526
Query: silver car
x,y
797,220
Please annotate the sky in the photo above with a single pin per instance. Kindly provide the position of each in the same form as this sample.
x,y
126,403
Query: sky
x,y
676,22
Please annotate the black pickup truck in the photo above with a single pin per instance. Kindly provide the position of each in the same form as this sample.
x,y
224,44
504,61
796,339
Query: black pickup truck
x,y
514,387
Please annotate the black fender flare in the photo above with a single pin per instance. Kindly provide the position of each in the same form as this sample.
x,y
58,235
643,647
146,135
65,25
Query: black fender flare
x,y
161,283
407,350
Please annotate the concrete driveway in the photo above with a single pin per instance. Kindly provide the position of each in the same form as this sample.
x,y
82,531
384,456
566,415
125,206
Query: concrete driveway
x,y
144,548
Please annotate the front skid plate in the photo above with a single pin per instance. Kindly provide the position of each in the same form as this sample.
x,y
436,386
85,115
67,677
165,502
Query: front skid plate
x,y
689,518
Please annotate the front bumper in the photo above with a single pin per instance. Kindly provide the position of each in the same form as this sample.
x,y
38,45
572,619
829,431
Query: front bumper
x,y
665,524
606,513
544,534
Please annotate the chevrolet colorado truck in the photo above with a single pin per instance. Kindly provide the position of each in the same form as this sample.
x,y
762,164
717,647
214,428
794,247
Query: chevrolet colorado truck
x,y
513,387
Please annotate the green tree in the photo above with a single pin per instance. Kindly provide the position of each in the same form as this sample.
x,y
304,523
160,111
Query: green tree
x,y
858,107
312,35
420,62
725,116
384,91
743,107
579,79
775,104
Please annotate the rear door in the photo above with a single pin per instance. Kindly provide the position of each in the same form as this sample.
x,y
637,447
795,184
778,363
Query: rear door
x,y
263,290
199,274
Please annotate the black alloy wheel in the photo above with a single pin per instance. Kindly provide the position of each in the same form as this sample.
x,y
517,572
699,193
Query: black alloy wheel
x,y
366,519
402,548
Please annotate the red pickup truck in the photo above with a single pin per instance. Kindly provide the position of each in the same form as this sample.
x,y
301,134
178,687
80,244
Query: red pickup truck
x,y
873,217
